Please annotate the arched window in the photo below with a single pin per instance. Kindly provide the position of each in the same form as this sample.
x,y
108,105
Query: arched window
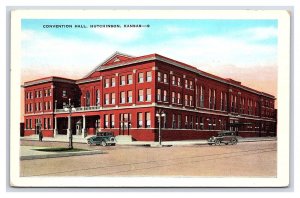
x,y
88,99
97,97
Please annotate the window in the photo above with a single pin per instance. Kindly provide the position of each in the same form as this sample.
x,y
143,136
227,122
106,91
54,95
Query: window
x,y
112,120
87,97
210,99
97,97
173,97
186,122
225,101
45,123
49,92
113,82
148,97
173,121
179,121
40,93
191,101
113,98
49,123
49,105
129,79
165,96
186,84
149,76
179,81
106,98
158,76
45,105
164,125
179,98
41,106
106,83
173,80
122,97
141,95
192,122
129,96
186,100
46,92
122,82
191,85
214,123
221,101
165,78
141,77
140,120
148,120
214,99
158,94
64,93
201,97
105,121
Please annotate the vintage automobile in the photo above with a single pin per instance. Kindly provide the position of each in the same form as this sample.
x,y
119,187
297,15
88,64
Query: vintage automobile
x,y
226,137
103,139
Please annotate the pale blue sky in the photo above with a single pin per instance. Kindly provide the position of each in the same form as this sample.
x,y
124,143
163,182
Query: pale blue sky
x,y
202,43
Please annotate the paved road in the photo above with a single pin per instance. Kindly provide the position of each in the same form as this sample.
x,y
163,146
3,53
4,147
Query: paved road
x,y
245,159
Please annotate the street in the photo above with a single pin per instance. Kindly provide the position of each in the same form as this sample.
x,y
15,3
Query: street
x,y
254,159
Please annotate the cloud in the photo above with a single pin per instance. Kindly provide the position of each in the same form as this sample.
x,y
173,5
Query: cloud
x,y
258,33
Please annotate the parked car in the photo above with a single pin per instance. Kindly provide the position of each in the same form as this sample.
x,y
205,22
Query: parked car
x,y
103,139
226,137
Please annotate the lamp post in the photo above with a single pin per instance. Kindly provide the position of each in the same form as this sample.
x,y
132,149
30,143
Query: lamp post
x,y
69,108
159,114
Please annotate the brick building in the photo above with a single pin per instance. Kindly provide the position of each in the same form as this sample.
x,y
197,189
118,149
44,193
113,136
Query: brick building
x,y
124,93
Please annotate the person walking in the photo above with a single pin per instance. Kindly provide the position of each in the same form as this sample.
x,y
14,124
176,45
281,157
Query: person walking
x,y
40,136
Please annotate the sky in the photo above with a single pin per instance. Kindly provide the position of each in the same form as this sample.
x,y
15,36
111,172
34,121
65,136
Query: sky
x,y
245,50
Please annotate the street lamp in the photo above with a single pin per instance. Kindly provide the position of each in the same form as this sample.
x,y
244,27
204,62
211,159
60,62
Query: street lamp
x,y
69,108
159,114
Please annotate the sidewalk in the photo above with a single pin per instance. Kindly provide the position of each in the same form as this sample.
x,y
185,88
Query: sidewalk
x,y
79,139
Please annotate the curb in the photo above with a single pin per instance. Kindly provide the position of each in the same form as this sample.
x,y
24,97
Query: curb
x,y
56,155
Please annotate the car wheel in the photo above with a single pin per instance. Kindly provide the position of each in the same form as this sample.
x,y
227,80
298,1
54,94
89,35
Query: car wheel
x,y
233,141
103,143
218,142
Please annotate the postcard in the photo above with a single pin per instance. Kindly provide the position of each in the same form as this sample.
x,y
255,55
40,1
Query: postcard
x,y
150,98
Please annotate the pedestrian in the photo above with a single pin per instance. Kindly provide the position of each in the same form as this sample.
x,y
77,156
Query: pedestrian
x,y
40,136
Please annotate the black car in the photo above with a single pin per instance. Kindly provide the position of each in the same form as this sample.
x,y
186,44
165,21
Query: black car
x,y
103,139
226,137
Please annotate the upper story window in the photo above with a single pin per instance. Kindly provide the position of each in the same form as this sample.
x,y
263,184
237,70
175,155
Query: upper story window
x,y
158,94
36,94
173,97
122,82
186,84
106,83
179,81
141,77
106,101
113,82
186,100
159,76
97,97
191,100
64,93
40,93
201,97
122,97
129,96
178,98
129,79
149,76
165,78
148,98
88,99
141,95
191,85
173,80
113,98
165,96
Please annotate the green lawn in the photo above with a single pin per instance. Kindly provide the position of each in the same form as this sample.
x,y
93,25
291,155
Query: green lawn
x,y
59,149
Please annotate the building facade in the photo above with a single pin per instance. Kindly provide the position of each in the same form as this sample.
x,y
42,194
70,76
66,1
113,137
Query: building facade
x,y
124,93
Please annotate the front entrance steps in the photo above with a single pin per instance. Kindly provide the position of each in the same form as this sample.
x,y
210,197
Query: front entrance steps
x,y
124,139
